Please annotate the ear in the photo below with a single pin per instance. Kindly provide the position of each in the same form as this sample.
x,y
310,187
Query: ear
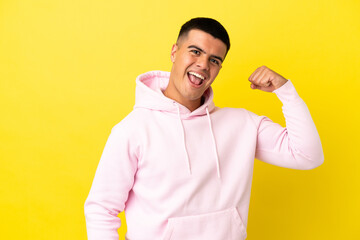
x,y
173,52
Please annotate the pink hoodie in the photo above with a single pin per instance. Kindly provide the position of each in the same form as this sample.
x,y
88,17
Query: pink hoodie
x,y
185,175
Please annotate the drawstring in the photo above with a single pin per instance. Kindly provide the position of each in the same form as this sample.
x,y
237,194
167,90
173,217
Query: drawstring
x,y
214,143
213,140
183,134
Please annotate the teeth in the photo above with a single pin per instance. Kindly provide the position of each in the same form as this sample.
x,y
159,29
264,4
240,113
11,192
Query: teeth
x,y
197,75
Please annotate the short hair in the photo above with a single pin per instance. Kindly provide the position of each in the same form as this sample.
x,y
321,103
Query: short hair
x,y
208,25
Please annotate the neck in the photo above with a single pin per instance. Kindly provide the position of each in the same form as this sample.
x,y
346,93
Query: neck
x,y
189,104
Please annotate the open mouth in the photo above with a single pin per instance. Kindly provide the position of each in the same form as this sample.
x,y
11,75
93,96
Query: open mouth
x,y
196,78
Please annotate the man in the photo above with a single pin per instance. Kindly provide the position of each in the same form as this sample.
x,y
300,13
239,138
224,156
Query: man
x,y
180,167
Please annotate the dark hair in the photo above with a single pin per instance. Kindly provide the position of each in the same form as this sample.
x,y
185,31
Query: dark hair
x,y
208,25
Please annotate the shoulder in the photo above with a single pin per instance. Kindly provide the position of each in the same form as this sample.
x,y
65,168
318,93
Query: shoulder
x,y
241,115
130,124
226,111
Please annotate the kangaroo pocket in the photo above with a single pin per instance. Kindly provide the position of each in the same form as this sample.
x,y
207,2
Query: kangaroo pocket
x,y
220,225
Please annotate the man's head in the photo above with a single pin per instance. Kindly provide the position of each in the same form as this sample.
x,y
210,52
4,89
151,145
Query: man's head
x,y
197,58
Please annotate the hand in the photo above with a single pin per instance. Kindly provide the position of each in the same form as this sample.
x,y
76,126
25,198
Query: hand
x,y
266,79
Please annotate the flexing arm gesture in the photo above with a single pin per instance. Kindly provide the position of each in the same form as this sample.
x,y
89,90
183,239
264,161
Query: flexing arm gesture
x,y
297,145
266,80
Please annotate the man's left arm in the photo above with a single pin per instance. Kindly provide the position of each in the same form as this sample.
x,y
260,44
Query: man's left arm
x,y
297,145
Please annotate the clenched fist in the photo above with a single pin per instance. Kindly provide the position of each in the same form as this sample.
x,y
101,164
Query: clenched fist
x,y
266,79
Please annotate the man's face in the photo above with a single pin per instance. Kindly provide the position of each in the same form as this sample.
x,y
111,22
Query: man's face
x,y
197,59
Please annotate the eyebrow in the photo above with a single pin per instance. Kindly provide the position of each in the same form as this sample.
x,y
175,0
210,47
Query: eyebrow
x,y
201,50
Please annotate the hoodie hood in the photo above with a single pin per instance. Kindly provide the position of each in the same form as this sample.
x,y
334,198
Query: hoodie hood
x,y
149,95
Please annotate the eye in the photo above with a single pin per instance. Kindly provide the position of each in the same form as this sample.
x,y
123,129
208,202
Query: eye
x,y
215,61
196,52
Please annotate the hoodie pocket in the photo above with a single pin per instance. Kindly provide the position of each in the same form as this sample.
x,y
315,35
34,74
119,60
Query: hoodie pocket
x,y
220,225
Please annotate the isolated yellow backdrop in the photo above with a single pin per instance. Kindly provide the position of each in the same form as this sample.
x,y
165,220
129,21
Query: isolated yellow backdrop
x,y
67,76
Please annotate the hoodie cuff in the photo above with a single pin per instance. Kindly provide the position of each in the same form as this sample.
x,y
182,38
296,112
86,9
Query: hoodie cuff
x,y
287,93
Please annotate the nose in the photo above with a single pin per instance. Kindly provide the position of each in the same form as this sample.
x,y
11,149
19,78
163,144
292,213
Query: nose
x,y
203,63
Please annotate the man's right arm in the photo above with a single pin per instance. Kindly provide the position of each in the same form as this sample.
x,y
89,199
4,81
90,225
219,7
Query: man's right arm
x,y
113,180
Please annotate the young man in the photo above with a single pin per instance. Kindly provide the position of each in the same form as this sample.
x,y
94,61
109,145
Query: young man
x,y
180,167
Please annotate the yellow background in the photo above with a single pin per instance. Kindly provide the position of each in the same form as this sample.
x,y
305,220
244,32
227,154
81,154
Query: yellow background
x,y
67,76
